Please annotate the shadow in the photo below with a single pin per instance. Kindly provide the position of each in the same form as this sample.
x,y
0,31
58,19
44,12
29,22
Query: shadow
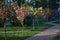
x,y
14,38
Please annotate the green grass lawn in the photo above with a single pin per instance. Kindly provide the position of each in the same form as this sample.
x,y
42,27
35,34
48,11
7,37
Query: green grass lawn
x,y
24,35
16,36
15,28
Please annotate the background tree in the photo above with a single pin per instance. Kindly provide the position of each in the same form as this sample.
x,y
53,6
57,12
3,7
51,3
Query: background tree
x,y
53,4
37,3
44,3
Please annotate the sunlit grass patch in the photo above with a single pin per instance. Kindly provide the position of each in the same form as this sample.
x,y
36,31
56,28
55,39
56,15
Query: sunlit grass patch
x,y
16,36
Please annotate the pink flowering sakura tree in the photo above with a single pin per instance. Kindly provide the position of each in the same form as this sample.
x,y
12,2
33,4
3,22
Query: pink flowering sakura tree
x,y
20,12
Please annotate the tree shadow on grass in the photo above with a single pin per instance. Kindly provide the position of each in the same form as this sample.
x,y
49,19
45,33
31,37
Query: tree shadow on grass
x,y
14,38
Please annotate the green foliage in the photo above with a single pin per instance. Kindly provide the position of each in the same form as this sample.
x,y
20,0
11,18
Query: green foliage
x,y
53,4
1,23
44,3
28,21
35,12
14,21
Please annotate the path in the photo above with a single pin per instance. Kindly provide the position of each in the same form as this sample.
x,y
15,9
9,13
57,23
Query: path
x,y
48,34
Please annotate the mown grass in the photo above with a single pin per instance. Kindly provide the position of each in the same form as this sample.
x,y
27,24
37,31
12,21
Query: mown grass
x,y
16,36
15,28
24,35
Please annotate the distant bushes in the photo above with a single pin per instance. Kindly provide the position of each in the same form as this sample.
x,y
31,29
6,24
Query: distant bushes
x,y
28,21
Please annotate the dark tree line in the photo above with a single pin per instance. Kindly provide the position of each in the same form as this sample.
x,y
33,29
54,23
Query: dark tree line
x,y
44,3
53,4
37,3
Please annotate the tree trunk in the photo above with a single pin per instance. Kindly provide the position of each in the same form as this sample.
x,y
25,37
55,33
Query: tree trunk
x,y
22,26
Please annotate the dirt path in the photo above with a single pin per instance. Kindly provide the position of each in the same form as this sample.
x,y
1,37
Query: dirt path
x,y
48,34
